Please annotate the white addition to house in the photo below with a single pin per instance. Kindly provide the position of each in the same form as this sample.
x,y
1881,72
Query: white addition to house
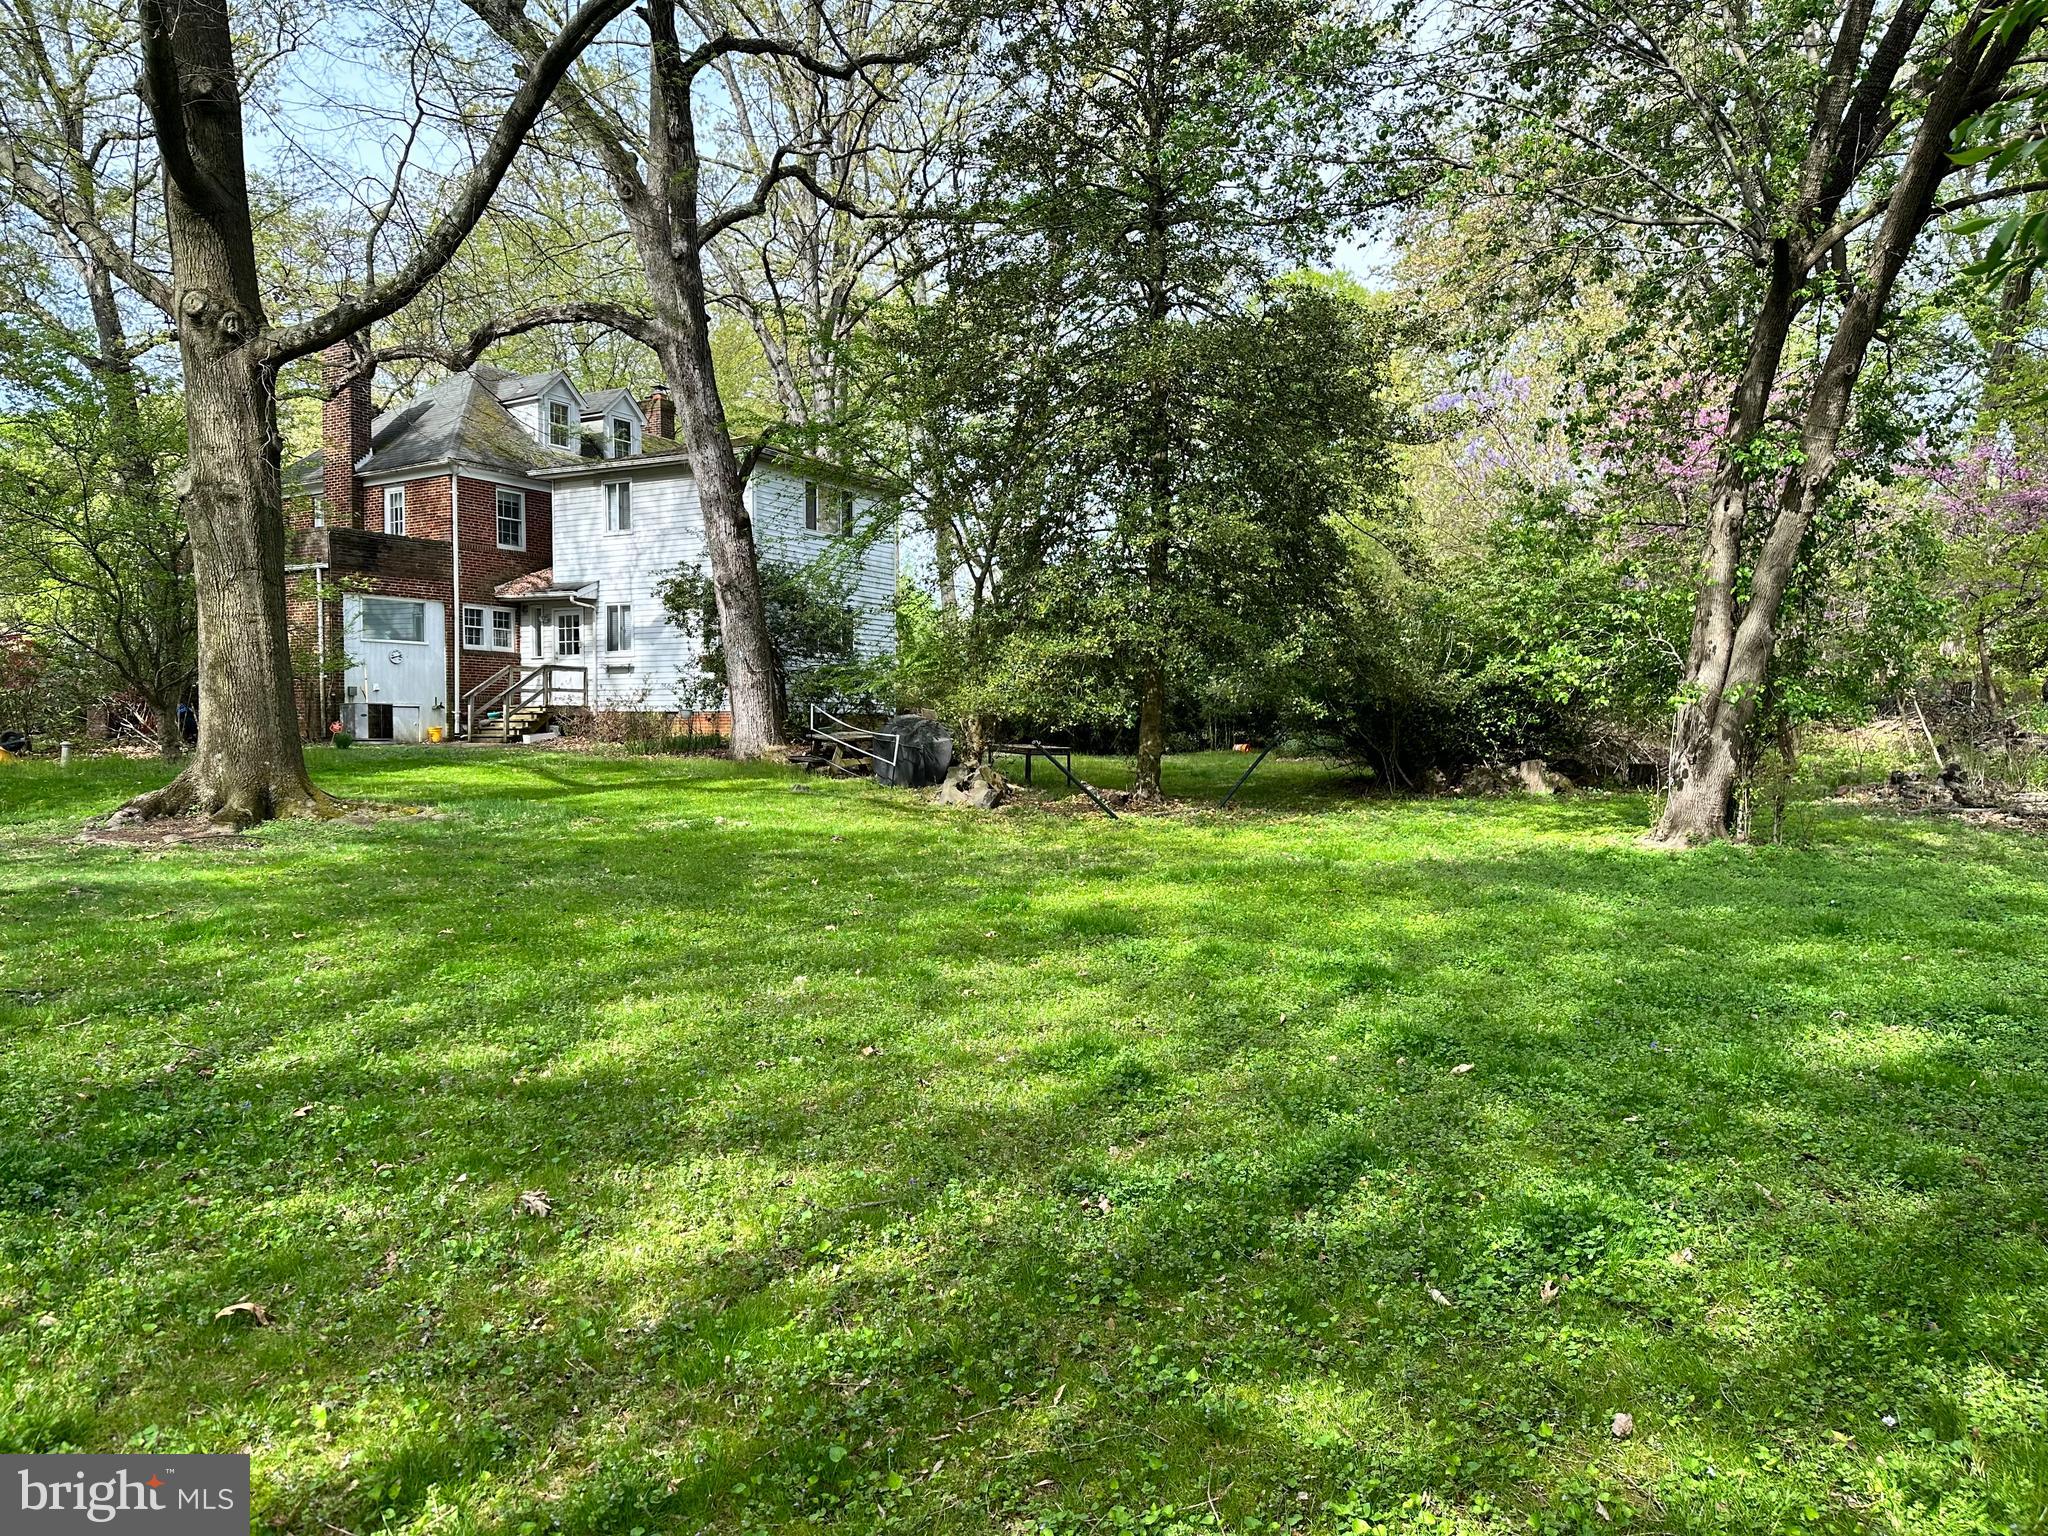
x,y
623,527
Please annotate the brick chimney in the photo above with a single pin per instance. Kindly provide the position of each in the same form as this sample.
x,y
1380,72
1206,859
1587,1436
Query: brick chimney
x,y
660,413
344,428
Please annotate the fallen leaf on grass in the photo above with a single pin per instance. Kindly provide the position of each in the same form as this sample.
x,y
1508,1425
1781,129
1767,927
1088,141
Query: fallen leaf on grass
x,y
1461,1069
255,1311
302,1111
1624,1425
1438,1297
534,1202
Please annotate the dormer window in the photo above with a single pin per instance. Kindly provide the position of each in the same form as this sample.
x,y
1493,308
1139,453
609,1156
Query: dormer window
x,y
622,437
561,431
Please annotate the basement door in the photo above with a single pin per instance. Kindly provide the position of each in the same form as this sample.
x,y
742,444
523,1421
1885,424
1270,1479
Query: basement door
x,y
396,684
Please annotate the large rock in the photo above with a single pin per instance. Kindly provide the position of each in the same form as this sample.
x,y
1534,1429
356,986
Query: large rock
x,y
1531,776
924,750
977,788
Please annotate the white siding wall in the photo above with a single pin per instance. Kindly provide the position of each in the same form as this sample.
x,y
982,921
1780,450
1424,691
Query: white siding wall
x,y
668,530
778,511
627,567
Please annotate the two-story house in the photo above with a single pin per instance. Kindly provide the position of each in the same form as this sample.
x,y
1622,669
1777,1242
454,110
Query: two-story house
x,y
492,551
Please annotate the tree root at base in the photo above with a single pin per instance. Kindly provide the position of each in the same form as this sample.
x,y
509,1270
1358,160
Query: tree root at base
x,y
243,805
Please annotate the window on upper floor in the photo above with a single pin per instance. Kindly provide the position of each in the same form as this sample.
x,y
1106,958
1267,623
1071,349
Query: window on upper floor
x,y
394,509
618,506
827,511
319,510
622,437
511,518
561,430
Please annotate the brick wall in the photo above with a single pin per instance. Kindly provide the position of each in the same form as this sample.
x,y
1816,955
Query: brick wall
x,y
417,565
426,508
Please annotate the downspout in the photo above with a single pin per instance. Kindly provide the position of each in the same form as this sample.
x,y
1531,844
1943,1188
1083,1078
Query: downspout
x,y
455,592
320,639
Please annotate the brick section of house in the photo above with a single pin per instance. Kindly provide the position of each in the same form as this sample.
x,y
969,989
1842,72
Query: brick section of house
x,y
345,420
305,621
426,507
485,566
419,564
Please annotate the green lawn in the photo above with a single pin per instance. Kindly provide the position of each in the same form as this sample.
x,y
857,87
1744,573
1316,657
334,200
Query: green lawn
x,y
940,1172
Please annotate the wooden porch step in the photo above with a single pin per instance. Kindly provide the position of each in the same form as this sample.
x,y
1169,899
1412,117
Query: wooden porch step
x,y
510,724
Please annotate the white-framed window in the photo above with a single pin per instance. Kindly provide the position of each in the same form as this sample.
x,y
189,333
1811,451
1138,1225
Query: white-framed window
x,y
486,629
394,618
394,509
622,437
511,518
618,627
561,431
319,510
618,506
827,511
568,633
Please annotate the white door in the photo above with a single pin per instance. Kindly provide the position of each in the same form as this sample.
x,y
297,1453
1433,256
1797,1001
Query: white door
x,y
396,685
569,634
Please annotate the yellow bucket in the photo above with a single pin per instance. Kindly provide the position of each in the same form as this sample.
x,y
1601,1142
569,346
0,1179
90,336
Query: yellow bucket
x,y
433,733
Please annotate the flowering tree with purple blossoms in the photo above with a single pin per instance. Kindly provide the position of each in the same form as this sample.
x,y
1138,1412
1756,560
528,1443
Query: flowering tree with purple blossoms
x,y
1992,506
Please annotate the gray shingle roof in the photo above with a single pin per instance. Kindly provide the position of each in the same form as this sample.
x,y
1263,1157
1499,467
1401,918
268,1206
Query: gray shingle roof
x,y
604,401
306,474
459,418
512,386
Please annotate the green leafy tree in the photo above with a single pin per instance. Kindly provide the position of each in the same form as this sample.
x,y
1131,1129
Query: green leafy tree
x,y
1766,175
94,564
814,625
1153,169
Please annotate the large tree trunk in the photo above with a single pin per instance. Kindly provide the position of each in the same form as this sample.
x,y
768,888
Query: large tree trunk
x,y
1145,783
671,251
1729,661
751,694
1704,760
248,765
1159,485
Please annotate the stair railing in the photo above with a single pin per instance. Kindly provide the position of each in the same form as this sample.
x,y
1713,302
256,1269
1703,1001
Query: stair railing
x,y
512,688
